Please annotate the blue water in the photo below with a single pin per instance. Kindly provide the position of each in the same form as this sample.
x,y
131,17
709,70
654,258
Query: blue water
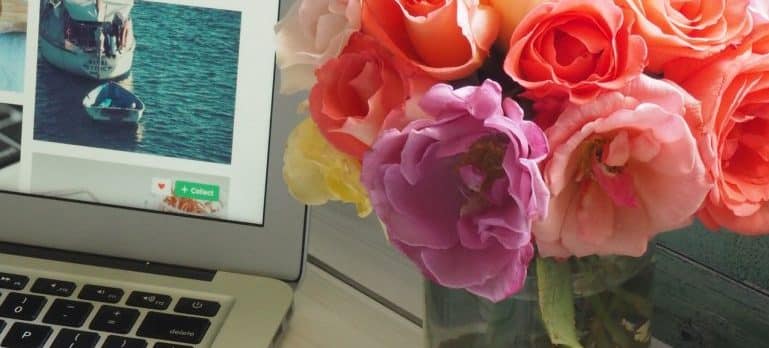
x,y
185,71
12,56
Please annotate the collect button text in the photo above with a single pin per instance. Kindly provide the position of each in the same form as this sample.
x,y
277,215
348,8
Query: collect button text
x,y
203,192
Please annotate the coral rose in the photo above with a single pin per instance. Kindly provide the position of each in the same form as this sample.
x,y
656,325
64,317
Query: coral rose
x,y
362,92
458,194
688,28
316,173
311,33
448,39
511,12
623,168
577,48
734,89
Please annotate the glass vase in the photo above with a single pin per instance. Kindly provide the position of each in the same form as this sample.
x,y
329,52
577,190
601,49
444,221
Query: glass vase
x,y
612,302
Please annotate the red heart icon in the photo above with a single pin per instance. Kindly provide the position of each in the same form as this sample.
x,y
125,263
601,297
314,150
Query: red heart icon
x,y
161,185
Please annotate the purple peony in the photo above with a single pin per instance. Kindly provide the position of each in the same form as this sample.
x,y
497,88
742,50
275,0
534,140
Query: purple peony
x,y
458,194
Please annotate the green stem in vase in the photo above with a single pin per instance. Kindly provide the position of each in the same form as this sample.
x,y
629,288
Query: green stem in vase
x,y
556,301
615,330
641,304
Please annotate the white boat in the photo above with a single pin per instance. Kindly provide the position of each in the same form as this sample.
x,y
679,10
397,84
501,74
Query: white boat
x,y
111,102
90,38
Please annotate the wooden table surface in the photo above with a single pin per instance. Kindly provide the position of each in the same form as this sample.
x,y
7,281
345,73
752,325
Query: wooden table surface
x,y
329,313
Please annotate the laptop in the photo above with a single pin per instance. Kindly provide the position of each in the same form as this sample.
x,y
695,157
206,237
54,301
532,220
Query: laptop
x,y
141,197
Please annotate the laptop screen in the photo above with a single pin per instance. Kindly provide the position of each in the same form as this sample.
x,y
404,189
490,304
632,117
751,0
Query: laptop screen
x,y
154,105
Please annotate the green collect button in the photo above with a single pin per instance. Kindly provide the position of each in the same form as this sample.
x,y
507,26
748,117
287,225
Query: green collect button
x,y
194,190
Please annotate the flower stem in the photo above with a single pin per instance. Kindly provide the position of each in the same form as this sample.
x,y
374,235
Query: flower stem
x,y
616,332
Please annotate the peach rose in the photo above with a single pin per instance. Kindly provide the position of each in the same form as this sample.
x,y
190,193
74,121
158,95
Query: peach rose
x,y
311,33
623,168
577,48
364,91
734,89
512,12
448,39
688,28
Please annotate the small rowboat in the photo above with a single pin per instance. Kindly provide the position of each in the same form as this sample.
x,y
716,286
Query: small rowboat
x,y
111,102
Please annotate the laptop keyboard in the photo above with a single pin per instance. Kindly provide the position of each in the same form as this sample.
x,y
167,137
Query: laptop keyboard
x,y
57,313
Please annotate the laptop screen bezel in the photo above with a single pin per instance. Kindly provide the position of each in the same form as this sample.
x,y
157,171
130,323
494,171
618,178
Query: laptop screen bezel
x,y
276,248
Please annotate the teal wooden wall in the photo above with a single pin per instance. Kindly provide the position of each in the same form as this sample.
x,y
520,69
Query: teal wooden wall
x,y
712,289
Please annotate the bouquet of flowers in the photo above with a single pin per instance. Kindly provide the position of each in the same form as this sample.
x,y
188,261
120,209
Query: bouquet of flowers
x,y
485,134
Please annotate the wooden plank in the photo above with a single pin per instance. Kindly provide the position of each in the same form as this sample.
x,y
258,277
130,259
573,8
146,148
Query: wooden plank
x,y
735,256
698,307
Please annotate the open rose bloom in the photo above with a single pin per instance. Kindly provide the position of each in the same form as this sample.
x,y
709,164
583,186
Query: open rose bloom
x,y
487,133
458,194
624,168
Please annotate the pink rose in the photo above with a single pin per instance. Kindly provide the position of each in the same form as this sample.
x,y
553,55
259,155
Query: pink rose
x,y
574,48
448,39
689,29
734,89
458,194
623,168
311,33
362,92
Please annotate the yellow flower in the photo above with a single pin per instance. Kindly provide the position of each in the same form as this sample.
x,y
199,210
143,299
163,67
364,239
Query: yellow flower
x,y
512,12
316,173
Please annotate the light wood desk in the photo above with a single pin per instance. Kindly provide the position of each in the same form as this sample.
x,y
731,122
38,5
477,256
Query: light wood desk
x,y
329,313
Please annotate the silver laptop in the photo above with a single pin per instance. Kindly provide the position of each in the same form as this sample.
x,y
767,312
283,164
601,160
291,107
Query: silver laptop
x,y
147,207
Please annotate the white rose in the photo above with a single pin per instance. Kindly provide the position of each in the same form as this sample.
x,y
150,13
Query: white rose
x,y
313,32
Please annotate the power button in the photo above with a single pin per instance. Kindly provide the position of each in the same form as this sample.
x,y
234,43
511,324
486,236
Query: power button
x,y
197,307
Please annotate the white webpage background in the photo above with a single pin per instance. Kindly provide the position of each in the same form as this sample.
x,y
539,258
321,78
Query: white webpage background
x,y
251,129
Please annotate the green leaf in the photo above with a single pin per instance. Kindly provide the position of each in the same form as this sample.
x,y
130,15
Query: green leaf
x,y
556,302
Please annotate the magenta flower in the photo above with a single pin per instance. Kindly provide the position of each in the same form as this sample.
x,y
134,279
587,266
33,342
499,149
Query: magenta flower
x,y
458,194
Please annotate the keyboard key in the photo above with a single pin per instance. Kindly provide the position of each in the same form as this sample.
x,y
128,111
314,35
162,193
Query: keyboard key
x,y
13,281
68,313
75,339
114,319
22,307
124,342
24,335
149,300
169,345
101,294
197,307
53,287
169,327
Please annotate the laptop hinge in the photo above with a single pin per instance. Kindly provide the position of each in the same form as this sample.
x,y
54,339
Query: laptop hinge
x,y
107,261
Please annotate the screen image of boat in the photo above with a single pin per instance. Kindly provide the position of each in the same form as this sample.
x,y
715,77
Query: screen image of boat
x,y
113,102
89,38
